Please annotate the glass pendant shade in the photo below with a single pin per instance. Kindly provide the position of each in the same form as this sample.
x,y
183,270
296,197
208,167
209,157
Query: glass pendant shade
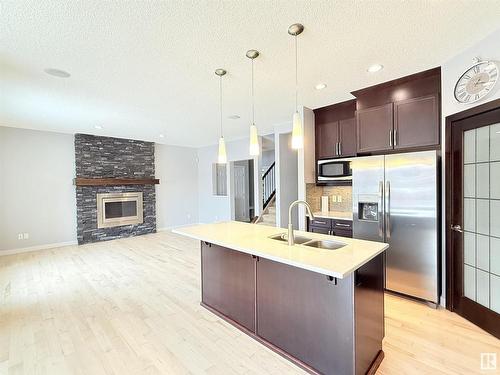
x,y
254,141
297,132
222,157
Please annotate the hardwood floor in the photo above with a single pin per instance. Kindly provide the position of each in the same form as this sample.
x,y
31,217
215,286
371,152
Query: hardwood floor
x,y
131,306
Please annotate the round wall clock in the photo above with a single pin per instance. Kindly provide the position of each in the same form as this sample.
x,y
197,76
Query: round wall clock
x,y
476,82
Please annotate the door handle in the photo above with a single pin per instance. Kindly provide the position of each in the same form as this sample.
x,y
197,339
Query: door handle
x,y
388,209
340,148
457,228
395,137
390,138
342,225
380,201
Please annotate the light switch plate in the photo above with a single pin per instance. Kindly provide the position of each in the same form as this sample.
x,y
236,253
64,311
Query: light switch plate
x,y
334,198
339,198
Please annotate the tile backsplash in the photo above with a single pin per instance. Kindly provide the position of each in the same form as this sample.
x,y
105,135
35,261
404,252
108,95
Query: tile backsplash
x,y
314,194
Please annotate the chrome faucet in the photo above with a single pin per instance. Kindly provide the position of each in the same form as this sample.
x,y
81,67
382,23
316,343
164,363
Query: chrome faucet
x,y
291,239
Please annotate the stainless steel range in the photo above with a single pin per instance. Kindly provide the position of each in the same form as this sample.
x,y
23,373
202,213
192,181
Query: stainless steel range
x,y
395,200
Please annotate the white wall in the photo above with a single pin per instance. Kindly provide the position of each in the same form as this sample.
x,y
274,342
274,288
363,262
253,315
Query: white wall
x,y
268,158
286,179
306,162
37,195
177,193
212,208
487,49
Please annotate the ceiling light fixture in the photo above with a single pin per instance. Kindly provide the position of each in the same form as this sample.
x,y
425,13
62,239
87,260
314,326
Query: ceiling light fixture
x,y
254,138
297,131
233,117
222,156
320,86
375,68
98,127
57,73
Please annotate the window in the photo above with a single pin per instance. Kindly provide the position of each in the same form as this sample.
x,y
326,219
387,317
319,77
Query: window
x,y
219,179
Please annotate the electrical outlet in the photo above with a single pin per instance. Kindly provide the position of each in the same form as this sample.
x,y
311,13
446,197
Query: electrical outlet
x,y
19,236
339,199
334,198
26,236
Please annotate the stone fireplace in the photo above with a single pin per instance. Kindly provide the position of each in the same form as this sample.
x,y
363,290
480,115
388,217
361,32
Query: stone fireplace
x,y
115,191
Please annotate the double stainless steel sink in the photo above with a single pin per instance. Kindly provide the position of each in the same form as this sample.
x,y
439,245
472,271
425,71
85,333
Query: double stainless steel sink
x,y
318,244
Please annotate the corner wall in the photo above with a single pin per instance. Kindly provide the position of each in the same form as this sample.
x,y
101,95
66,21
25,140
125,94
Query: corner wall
x,y
451,70
37,195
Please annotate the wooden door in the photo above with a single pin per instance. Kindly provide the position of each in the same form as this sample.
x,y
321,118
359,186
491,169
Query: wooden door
x,y
347,135
416,122
228,283
375,128
473,205
327,138
307,315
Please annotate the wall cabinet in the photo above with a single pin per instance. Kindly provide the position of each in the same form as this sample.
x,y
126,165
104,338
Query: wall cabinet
x,y
335,130
400,125
375,126
416,122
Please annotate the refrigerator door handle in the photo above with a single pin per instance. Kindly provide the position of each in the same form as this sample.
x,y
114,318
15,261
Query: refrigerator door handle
x,y
388,209
380,212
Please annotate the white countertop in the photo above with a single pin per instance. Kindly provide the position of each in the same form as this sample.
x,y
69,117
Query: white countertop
x,y
338,215
254,239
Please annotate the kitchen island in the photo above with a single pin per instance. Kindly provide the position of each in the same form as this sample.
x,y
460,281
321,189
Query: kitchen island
x,y
322,309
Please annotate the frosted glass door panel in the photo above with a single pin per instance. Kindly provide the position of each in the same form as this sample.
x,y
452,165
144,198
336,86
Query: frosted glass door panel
x,y
481,215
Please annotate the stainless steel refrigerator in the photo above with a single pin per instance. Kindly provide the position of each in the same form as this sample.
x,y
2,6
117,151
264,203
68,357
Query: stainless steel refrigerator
x,y
395,200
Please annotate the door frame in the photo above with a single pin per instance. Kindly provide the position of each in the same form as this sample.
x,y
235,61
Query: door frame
x,y
449,121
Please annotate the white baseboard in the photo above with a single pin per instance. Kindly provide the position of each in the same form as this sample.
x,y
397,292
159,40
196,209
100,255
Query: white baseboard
x,y
37,248
164,229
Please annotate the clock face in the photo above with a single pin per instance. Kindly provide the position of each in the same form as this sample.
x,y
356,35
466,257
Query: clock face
x,y
476,82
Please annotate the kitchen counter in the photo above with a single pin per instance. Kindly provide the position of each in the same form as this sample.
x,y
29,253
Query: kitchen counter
x,y
337,215
254,239
321,309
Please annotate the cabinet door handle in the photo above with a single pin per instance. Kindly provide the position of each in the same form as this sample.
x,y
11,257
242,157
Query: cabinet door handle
x,y
342,225
390,138
319,222
340,148
395,137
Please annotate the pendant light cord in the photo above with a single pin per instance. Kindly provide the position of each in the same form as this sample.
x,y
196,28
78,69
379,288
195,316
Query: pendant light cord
x,y
253,100
296,75
220,90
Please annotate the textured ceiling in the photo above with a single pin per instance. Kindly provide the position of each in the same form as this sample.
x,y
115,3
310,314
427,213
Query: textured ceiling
x,y
143,68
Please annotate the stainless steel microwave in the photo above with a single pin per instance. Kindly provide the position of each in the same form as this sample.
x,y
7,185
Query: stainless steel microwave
x,y
334,170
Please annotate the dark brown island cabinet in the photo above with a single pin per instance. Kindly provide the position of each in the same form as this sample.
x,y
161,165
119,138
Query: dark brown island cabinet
x,y
323,324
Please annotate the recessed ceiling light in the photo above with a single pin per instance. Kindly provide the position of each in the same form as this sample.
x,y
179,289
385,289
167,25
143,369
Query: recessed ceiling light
x,y
161,136
375,68
233,117
320,86
99,127
57,72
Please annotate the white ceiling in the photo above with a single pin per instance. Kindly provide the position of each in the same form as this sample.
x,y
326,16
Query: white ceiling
x,y
143,68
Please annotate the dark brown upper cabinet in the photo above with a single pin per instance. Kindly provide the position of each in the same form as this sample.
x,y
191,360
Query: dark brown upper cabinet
x,y
375,128
401,114
335,130
416,122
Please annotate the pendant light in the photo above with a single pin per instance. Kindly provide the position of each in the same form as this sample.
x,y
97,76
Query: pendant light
x,y
297,131
254,139
222,156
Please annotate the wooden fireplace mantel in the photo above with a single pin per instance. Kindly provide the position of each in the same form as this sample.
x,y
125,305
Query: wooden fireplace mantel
x,y
115,181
